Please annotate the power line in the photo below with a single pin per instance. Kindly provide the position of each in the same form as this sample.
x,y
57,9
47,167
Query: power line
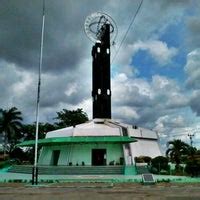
x,y
185,132
125,35
188,135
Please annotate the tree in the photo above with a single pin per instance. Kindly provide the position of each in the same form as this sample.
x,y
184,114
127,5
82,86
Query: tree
x,y
70,117
29,134
193,166
143,159
10,126
193,162
159,163
177,149
29,130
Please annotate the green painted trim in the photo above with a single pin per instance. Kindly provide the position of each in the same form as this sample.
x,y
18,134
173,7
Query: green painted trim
x,y
130,170
78,140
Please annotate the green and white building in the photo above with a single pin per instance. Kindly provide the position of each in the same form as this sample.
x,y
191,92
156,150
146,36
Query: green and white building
x,y
99,144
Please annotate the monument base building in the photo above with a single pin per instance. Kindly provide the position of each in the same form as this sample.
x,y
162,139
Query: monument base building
x,y
99,146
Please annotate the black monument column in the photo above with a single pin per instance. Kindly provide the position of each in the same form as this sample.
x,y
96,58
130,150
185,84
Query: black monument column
x,y
101,92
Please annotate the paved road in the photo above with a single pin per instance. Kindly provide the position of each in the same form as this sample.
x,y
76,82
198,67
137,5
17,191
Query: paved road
x,y
100,191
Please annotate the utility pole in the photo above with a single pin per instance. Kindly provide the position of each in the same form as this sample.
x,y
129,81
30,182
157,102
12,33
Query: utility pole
x,y
35,167
191,139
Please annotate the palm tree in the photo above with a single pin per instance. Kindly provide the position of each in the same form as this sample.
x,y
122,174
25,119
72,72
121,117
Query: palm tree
x,y
177,149
10,126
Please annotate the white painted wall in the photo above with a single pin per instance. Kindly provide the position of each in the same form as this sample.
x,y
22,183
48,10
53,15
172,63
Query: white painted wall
x,y
145,147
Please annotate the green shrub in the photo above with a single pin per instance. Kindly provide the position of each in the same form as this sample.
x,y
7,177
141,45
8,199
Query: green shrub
x,y
158,164
143,159
4,164
193,168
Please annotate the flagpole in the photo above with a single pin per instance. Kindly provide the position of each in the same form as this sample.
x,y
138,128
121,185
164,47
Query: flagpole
x,y
35,169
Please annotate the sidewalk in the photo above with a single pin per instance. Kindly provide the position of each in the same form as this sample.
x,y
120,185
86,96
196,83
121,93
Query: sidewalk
x,y
19,177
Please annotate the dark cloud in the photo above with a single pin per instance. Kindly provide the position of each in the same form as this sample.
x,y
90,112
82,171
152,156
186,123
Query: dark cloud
x,y
192,69
194,102
20,32
193,29
65,43
133,99
65,89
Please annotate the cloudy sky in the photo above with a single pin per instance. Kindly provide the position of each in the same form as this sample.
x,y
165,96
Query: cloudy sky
x,y
155,75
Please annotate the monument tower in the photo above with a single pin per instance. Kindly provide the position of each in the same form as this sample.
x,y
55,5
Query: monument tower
x,y
101,92
99,27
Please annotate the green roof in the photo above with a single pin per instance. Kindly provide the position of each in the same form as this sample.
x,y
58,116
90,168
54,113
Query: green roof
x,y
78,139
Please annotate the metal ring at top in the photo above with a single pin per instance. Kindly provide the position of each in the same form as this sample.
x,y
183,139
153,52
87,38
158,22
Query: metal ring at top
x,y
95,21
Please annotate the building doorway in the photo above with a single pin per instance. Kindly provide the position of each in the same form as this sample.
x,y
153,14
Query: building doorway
x,y
98,156
55,157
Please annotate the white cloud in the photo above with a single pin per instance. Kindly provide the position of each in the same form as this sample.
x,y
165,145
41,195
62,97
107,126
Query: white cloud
x,y
169,125
161,82
26,81
165,121
192,69
128,91
159,50
127,113
168,92
71,89
86,104
149,99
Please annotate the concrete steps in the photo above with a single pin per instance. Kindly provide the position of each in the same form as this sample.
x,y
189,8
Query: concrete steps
x,y
25,169
69,170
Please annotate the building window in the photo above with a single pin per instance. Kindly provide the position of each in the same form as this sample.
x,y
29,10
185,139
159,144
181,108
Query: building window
x,y
99,91
108,51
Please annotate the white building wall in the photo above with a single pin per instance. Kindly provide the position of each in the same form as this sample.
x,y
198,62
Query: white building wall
x,y
145,147
64,132
147,143
103,131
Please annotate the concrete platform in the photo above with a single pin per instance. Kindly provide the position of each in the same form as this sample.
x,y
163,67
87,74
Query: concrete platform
x,y
18,177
